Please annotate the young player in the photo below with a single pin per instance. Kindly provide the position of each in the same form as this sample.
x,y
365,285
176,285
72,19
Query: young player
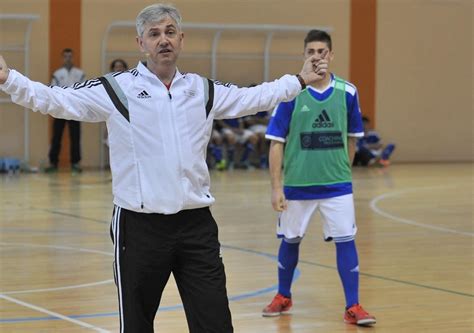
x,y
315,135
370,150
234,132
257,124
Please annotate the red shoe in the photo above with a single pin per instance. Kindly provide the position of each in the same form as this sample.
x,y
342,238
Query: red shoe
x,y
358,316
279,305
384,163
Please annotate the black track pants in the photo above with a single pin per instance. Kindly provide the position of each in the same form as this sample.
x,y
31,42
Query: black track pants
x,y
149,247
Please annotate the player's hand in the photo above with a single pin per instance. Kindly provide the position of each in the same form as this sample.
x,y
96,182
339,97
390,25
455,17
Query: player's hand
x,y
278,200
3,70
315,68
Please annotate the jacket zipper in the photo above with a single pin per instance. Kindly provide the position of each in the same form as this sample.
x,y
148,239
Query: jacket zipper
x,y
140,185
180,162
138,168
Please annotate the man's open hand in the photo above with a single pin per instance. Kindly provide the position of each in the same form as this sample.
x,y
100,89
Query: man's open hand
x,y
3,70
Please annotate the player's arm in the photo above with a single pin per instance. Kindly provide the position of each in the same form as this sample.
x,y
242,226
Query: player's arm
x,y
351,148
87,104
373,141
354,123
275,161
54,81
277,131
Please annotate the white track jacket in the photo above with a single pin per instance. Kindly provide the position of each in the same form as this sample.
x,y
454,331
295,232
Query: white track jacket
x,y
158,137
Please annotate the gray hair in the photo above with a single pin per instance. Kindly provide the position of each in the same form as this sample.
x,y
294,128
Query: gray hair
x,y
156,13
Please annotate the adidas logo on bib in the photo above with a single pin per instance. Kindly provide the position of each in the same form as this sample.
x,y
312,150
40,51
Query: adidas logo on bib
x,y
323,121
305,108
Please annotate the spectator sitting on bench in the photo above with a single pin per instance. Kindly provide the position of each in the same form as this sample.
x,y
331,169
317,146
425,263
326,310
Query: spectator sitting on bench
x,y
370,149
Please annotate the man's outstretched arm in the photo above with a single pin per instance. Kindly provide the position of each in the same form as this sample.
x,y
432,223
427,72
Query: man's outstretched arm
x,y
87,102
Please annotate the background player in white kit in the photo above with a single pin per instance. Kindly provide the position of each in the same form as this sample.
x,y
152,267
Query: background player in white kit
x,y
66,76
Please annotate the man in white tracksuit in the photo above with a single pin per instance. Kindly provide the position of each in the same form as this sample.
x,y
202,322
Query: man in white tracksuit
x,y
159,123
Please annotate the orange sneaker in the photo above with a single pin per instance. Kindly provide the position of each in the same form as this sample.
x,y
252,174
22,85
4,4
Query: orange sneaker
x,y
358,316
384,163
279,305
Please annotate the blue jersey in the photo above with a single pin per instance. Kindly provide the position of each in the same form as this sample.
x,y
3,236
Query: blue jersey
x,y
262,114
278,130
371,137
250,120
234,123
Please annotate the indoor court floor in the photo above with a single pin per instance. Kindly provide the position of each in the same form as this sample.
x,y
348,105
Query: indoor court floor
x,y
415,243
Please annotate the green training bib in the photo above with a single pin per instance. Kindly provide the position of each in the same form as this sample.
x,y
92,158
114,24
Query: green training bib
x,y
316,146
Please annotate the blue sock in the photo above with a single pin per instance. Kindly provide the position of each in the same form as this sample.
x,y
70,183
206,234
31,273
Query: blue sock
x,y
247,150
348,267
217,152
230,154
388,151
287,261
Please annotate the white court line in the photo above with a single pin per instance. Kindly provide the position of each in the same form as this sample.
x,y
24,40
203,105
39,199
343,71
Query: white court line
x,y
373,206
57,288
54,314
85,285
78,249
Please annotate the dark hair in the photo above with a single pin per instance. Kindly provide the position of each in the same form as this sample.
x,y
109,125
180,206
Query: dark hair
x,y
123,62
318,36
67,50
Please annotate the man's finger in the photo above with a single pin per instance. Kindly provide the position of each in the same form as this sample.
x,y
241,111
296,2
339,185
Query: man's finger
x,y
323,65
324,54
314,59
